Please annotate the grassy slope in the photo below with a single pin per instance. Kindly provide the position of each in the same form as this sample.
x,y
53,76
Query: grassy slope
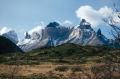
x,y
66,53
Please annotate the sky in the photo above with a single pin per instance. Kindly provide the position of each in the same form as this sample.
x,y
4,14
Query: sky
x,y
23,15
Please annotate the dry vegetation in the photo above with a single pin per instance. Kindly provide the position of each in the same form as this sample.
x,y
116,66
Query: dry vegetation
x,y
63,62
83,71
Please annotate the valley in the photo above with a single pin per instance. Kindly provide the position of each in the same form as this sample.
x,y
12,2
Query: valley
x,y
59,39
62,62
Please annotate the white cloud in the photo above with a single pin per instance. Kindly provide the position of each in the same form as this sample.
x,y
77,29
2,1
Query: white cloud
x,y
36,29
105,11
92,15
4,30
67,23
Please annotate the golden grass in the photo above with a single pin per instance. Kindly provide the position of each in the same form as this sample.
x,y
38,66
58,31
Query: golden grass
x,y
47,69
25,70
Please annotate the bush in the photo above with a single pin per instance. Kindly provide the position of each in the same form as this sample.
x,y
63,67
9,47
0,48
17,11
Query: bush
x,y
61,68
76,69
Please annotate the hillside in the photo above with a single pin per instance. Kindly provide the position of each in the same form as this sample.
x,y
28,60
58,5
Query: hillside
x,y
66,53
7,46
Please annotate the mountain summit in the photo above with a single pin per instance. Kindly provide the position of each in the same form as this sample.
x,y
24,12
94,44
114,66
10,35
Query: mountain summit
x,y
55,34
10,34
85,25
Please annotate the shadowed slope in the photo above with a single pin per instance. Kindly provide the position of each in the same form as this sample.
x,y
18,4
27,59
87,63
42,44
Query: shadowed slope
x,y
7,46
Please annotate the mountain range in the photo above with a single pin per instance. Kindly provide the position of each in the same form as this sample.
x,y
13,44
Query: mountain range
x,y
55,34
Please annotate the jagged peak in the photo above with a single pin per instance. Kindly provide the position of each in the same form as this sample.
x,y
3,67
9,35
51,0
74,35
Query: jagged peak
x,y
99,32
84,24
10,34
27,36
53,24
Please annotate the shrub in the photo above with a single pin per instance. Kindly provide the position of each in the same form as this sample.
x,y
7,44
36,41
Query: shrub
x,y
61,68
76,69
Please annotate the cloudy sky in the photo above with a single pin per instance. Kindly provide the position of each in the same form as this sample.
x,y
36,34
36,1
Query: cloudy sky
x,y
23,15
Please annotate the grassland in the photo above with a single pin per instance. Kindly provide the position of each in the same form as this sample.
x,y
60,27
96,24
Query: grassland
x,y
68,61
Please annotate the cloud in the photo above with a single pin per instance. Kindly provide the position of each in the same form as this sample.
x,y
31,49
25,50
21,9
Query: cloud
x,y
37,29
105,11
92,15
4,30
67,23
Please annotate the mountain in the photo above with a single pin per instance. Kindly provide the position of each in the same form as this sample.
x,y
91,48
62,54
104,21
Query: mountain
x,y
7,46
10,34
55,34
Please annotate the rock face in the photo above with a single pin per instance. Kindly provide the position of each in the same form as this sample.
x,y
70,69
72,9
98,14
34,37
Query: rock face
x,y
85,25
54,34
27,36
10,34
